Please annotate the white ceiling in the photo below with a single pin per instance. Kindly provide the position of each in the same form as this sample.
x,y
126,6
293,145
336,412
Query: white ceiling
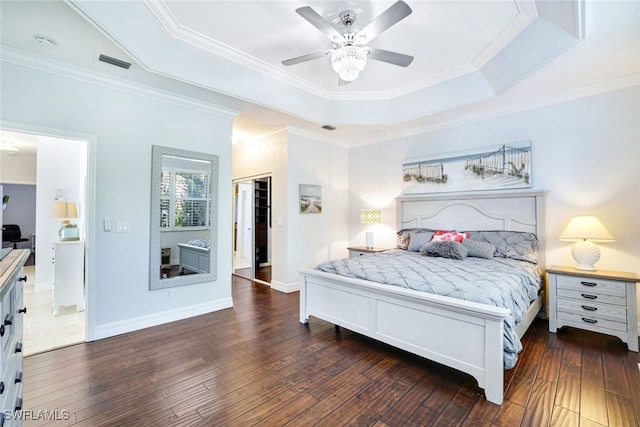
x,y
472,58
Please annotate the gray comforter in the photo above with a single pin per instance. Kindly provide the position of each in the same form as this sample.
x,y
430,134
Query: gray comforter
x,y
500,282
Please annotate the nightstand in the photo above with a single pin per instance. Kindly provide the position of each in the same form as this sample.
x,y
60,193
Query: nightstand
x,y
602,301
356,251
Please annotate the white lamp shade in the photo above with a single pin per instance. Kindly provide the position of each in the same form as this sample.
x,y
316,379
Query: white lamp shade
x,y
64,210
586,228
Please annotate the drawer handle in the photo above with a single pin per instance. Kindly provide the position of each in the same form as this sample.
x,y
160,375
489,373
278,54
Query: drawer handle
x,y
589,284
589,308
23,310
19,347
1,330
1,387
18,377
19,404
588,296
587,320
8,320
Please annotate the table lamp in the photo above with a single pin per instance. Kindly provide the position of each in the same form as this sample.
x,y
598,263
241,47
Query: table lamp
x,y
370,216
65,211
585,230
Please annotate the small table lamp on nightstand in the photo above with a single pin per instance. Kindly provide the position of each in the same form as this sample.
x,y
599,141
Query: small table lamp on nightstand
x,y
370,216
585,230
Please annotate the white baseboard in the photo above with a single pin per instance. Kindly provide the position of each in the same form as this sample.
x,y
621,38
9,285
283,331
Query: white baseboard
x,y
287,288
130,325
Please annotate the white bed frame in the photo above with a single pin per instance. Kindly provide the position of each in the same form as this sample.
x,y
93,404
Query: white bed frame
x,y
464,335
193,258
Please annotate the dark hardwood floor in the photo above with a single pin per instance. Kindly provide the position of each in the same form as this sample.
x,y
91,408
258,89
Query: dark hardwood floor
x,y
256,364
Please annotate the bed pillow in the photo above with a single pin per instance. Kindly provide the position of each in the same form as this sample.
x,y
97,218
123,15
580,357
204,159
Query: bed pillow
x,y
518,245
417,239
478,249
445,249
403,236
443,235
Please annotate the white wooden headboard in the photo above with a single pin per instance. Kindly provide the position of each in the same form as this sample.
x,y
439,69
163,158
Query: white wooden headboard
x,y
507,210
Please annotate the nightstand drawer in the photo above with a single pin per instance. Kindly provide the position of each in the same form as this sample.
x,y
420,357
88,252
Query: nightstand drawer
x,y
592,285
587,296
590,322
593,310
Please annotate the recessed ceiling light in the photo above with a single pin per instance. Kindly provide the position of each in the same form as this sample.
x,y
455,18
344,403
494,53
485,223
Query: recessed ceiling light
x,y
45,41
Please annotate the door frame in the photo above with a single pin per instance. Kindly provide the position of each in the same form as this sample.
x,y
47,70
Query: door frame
x,y
89,208
234,182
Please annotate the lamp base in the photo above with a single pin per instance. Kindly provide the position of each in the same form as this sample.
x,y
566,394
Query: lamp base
x,y
586,255
369,239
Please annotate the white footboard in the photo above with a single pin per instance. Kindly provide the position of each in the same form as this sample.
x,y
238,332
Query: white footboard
x,y
194,258
464,335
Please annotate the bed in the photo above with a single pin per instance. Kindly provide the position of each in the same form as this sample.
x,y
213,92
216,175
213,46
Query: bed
x,y
194,256
466,335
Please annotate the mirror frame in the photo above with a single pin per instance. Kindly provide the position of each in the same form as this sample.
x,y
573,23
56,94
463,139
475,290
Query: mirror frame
x,y
155,282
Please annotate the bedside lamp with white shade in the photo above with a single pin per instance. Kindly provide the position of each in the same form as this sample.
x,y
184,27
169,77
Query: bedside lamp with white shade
x,y
585,230
370,216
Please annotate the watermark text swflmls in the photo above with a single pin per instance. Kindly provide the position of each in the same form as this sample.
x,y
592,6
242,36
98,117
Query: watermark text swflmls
x,y
38,415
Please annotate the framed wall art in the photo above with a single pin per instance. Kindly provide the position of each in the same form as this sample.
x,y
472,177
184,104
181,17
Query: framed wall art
x,y
506,166
310,199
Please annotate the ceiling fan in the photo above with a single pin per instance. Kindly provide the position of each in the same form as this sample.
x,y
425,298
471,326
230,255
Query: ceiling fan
x,y
348,52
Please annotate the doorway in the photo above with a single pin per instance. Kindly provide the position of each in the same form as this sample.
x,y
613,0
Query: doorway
x,y
57,172
252,229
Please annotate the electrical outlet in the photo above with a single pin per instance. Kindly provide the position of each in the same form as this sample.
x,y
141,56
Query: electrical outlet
x,y
168,294
122,227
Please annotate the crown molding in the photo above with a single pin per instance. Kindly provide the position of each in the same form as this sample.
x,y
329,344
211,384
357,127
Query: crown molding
x,y
21,58
178,31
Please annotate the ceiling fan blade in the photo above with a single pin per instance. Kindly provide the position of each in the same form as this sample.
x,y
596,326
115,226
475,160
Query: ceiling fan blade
x,y
396,12
304,58
394,58
320,23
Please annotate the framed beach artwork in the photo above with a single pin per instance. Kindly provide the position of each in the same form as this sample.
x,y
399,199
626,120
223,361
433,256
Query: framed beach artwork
x,y
310,199
499,167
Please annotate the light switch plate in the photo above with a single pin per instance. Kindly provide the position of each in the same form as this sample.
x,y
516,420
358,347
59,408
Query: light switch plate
x,y
122,227
106,224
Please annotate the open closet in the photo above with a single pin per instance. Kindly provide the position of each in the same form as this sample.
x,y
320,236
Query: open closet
x,y
252,228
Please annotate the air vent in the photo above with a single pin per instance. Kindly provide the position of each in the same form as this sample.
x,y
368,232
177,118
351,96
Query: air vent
x,y
114,61
328,127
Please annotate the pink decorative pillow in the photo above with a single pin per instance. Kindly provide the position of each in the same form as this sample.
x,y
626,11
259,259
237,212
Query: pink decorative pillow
x,y
444,235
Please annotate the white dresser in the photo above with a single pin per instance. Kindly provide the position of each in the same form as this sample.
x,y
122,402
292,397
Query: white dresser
x,y
68,275
12,312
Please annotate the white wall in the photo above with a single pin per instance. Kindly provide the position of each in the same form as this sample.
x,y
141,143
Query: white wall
x,y
293,159
17,169
313,238
61,171
125,125
585,153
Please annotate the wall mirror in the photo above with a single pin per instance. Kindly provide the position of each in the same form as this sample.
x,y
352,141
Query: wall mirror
x,y
184,217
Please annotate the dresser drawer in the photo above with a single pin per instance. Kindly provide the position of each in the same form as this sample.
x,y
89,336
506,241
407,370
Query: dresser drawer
x,y
592,286
593,310
591,322
587,296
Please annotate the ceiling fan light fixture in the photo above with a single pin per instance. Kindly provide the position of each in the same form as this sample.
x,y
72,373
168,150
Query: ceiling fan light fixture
x,y
348,61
